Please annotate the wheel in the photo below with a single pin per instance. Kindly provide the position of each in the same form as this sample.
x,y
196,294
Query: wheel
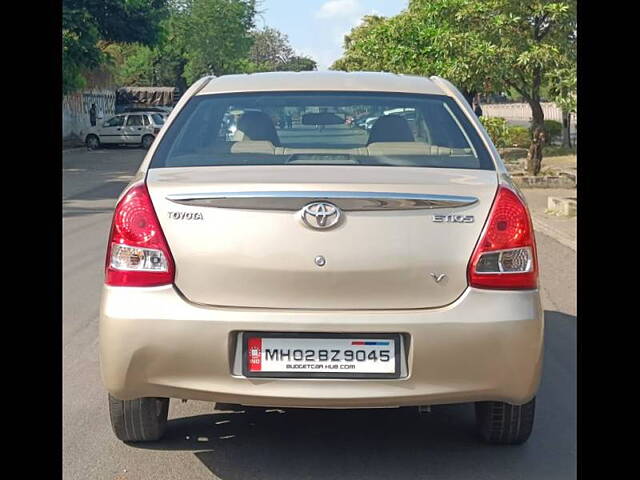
x,y
147,140
93,142
503,423
138,420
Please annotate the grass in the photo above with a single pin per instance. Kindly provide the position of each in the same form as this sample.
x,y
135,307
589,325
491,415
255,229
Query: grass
x,y
512,154
557,151
561,161
553,156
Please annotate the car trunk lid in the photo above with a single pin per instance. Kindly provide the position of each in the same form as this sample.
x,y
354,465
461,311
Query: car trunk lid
x,y
404,240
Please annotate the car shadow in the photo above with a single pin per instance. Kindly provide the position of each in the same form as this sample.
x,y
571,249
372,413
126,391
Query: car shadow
x,y
81,212
399,443
109,190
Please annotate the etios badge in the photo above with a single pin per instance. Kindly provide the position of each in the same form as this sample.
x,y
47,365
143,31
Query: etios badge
x,y
453,218
320,215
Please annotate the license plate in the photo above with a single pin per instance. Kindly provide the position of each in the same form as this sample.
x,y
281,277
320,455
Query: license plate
x,y
321,355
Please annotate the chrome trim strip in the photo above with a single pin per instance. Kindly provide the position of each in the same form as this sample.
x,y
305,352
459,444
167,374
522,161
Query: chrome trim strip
x,y
347,201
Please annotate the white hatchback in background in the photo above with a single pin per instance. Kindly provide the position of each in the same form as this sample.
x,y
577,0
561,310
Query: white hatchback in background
x,y
139,128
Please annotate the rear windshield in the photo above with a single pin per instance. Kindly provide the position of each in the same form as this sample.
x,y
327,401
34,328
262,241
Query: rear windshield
x,y
322,128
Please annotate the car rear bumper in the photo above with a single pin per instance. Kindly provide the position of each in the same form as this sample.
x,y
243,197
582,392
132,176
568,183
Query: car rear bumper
x,y
485,346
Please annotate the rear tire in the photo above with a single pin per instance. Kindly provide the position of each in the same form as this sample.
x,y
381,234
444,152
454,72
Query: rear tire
x,y
93,142
503,423
140,419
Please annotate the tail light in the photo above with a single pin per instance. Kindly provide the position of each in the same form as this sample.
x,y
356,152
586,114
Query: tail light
x,y
138,254
505,257
156,131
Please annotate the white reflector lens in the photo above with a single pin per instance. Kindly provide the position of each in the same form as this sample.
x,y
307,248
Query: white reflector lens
x,y
517,260
124,257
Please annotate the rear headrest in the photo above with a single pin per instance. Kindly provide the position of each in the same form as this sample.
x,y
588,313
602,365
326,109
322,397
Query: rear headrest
x,y
257,126
390,128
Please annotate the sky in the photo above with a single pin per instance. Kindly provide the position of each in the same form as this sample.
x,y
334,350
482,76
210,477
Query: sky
x,y
316,28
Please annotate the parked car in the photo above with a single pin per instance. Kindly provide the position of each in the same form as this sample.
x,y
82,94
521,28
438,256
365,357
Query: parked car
x,y
138,128
368,123
322,268
360,120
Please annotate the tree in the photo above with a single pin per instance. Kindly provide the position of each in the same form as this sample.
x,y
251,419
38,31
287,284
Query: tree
x,y
564,91
563,88
163,64
270,49
170,55
480,45
201,37
132,64
216,36
298,64
86,23
125,20
360,48
79,48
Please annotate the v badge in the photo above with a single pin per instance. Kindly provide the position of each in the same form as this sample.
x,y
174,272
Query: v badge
x,y
438,278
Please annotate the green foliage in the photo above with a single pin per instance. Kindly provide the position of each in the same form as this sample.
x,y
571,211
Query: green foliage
x,y
518,137
563,88
362,50
79,49
558,150
163,64
552,129
216,37
87,23
298,63
123,20
170,54
133,63
271,51
169,42
202,37
479,45
497,129
504,135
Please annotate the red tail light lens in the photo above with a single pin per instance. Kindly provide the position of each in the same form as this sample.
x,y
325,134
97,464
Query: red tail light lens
x,y
138,254
505,257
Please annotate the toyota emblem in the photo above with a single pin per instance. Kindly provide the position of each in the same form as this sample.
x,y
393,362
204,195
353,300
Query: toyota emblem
x,y
320,215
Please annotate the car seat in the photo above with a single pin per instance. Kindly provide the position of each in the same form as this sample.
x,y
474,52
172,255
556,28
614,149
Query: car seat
x,y
256,126
390,128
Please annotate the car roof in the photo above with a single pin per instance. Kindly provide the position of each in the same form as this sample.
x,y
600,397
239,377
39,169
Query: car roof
x,y
321,81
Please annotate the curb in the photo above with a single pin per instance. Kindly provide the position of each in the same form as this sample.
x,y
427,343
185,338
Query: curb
x,y
550,181
565,206
541,225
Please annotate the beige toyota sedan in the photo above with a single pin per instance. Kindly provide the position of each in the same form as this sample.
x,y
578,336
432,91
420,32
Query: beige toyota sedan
x,y
268,253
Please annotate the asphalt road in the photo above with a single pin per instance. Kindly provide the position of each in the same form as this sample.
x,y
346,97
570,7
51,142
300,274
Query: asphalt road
x,y
292,444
